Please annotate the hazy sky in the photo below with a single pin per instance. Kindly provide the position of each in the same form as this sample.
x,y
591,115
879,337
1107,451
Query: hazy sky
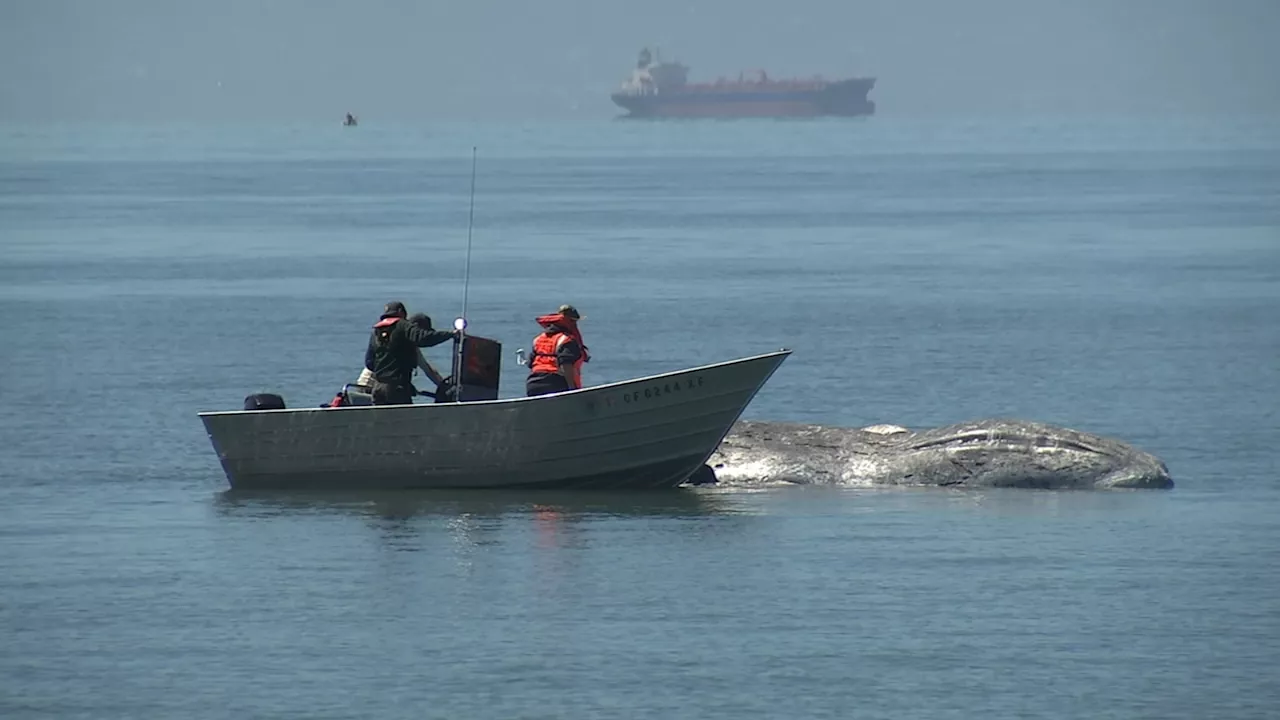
x,y
156,60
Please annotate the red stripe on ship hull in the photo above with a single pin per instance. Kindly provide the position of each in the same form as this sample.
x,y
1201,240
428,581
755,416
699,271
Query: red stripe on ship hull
x,y
737,109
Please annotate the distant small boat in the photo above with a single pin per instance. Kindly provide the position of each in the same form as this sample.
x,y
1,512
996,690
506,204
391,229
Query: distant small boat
x,y
349,121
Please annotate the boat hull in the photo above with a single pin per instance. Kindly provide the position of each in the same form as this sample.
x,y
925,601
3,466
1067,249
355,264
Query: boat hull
x,y
846,98
651,432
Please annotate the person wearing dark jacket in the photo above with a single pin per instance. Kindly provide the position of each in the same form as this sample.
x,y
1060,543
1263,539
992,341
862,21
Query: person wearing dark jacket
x,y
392,354
423,321
558,354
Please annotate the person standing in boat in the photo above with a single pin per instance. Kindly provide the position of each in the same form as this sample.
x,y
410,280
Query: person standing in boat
x,y
423,321
555,365
393,353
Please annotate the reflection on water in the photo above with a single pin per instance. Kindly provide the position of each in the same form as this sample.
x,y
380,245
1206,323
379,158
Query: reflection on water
x,y
403,505
477,510
473,523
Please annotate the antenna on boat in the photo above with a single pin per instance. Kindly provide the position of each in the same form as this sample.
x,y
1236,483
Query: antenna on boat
x,y
461,323
471,215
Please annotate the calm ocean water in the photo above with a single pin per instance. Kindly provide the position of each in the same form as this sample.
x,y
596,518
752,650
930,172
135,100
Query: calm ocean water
x,y
1120,277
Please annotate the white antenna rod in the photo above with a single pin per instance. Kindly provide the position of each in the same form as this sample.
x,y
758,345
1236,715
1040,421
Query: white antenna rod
x,y
461,323
471,214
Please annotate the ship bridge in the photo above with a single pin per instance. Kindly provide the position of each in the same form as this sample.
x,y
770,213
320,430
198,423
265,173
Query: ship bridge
x,y
653,76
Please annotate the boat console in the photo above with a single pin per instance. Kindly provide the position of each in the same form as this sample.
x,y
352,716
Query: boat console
x,y
481,370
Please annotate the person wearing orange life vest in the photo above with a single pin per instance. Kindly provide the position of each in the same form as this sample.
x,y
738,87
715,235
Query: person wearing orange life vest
x,y
555,365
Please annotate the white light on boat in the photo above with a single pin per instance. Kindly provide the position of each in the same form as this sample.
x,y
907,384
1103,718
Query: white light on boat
x,y
460,324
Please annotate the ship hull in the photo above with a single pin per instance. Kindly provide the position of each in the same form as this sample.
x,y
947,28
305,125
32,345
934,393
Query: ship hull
x,y
846,98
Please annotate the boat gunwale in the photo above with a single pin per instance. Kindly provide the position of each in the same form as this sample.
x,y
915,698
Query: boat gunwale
x,y
783,352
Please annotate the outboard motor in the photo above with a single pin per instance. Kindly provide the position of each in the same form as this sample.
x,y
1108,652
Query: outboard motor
x,y
264,401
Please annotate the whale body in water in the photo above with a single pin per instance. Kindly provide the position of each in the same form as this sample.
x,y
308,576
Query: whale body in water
x,y
982,453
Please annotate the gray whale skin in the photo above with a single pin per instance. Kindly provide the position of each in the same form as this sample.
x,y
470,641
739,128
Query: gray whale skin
x,y
982,453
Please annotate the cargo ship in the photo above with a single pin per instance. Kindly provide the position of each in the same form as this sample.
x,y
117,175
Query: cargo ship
x,y
658,89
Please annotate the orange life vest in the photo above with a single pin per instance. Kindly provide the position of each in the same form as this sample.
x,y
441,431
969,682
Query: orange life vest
x,y
545,346
544,353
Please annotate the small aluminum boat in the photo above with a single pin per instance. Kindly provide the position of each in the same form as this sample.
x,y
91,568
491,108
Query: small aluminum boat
x,y
651,432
